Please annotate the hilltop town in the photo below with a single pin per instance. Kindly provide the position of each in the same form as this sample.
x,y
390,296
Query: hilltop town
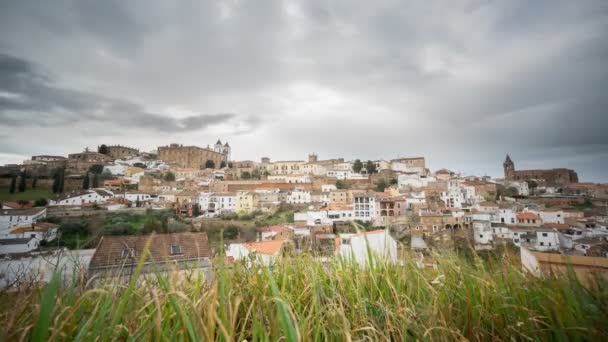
x,y
102,204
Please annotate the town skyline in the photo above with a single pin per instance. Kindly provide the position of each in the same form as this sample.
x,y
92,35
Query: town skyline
x,y
462,84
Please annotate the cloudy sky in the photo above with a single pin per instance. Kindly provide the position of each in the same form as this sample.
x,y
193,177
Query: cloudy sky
x,y
459,82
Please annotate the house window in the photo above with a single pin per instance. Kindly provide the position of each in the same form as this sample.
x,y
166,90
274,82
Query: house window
x,y
175,249
542,243
545,235
346,241
481,236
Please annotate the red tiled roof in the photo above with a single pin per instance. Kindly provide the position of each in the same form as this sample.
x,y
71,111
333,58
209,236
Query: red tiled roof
x,y
277,228
527,216
266,247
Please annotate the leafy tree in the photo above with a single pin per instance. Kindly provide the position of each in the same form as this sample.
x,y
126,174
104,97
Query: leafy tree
x,y
246,175
381,185
106,174
210,164
357,166
103,149
96,169
230,165
95,181
22,177
41,202
34,182
256,174
13,184
169,176
222,164
231,232
266,173
340,184
370,167
85,181
394,181
152,224
140,165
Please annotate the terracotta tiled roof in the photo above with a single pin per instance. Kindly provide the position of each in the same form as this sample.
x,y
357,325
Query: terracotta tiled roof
x,y
337,206
527,216
42,226
109,252
266,247
558,226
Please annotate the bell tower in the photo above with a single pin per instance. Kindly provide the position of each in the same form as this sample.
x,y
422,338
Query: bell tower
x,y
509,168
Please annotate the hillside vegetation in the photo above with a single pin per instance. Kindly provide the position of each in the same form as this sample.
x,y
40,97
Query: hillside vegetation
x,y
300,299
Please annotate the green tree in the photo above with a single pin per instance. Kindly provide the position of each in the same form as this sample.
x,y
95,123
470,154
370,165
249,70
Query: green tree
x,y
106,174
41,202
152,224
230,165
246,175
381,184
103,149
35,182
169,176
222,164
394,181
96,169
85,181
209,164
231,232
13,184
357,166
22,178
340,184
370,167
95,181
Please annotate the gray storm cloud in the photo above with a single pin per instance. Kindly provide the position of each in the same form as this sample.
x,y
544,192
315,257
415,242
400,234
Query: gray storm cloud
x,y
460,82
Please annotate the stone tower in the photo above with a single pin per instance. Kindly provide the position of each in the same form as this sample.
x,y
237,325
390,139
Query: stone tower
x,y
509,168
313,158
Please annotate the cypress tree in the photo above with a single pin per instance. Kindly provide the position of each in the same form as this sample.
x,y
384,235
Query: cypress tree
x,y
11,188
85,181
34,182
22,177
95,181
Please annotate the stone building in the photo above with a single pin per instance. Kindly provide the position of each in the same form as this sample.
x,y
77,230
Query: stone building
x,y
193,157
559,176
121,152
81,162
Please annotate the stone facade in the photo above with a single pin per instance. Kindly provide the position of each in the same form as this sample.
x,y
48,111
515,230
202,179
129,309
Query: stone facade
x,y
193,157
559,176
121,152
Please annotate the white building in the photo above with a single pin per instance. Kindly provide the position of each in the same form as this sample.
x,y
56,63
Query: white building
x,y
299,196
364,206
291,178
18,245
413,180
355,247
134,196
551,216
328,187
483,234
10,218
82,197
222,202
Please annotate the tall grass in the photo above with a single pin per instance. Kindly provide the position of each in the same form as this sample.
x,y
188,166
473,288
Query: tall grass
x,y
300,299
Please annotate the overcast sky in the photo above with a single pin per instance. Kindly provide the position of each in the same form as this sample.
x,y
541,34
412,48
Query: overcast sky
x,y
459,82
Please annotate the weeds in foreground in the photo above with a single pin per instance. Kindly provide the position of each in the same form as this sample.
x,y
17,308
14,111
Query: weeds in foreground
x,y
301,299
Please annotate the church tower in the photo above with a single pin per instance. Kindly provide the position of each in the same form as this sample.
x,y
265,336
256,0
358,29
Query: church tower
x,y
218,146
509,168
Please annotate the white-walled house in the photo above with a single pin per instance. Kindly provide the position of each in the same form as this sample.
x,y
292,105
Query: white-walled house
x,y
413,180
134,196
483,233
222,202
328,187
18,245
536,239
355,246
364,206
82,197
507,216
299,197
10,218
40,231
263,253
552,216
